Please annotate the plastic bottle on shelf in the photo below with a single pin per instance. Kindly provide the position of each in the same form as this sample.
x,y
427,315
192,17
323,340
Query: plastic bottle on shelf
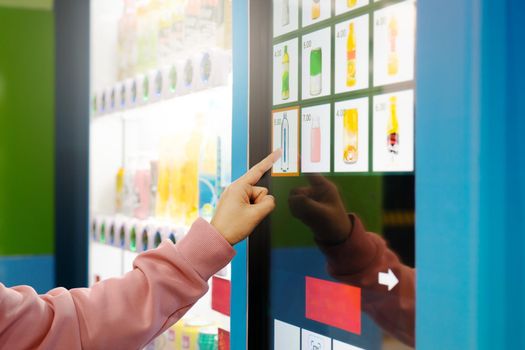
x,y
208,338
127,37
164,167
208,176
190,172
102,233
190,333
120,193
94,227
164,32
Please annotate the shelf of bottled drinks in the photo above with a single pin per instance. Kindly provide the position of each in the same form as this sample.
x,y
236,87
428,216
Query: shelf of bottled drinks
x,y
160,141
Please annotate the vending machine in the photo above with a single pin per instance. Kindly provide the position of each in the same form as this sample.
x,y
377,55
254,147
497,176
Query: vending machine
x,y
160,141
334,264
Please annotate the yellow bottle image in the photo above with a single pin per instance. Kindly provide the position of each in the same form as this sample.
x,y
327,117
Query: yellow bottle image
x,y
350,56
393,60
285,86
351,3
316,9
350,135
393,128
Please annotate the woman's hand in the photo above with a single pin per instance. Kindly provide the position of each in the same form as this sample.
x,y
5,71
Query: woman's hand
x,y
243,205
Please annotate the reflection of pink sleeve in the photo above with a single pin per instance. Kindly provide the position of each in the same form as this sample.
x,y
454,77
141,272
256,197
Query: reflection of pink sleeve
x,y
357,261
118,313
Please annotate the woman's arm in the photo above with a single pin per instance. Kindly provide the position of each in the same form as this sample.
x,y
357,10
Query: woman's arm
x,y
117,313
126,313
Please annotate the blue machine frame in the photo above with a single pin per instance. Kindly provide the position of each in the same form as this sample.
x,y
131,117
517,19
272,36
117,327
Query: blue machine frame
x,y
239,291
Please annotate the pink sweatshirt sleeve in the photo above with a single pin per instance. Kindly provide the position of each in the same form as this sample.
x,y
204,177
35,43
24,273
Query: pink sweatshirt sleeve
x,y
117,313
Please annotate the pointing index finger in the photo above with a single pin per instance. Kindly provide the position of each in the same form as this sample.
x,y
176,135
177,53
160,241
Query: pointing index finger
x,y
257,171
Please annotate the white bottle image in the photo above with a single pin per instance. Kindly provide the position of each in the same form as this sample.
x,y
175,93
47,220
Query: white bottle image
x,y
285,144
285,18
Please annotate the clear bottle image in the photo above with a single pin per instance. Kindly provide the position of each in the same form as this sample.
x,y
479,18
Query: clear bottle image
x,y
285,15
350,56
350,136
393,128
316,71
285,86
393,60
315,140
285,144
316,9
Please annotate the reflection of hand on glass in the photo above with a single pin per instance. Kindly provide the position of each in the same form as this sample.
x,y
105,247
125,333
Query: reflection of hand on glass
x,y
356,257
320,207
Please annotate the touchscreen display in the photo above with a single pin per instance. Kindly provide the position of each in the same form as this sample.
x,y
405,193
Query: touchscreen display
x,y
341,265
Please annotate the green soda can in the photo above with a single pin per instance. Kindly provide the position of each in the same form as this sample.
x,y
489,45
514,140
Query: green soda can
x,y
316,71
208,339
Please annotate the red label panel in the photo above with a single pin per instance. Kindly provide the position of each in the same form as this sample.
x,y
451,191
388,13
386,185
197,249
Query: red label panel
x,y
335,304
220,295
224,339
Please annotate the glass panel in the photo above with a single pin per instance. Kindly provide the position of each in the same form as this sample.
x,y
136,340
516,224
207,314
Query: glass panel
x,y
341,268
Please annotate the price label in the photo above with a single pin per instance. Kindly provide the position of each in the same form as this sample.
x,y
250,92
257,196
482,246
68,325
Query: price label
x,y
307,44
277,53
341,34
380,107
340,113
381,21
307,117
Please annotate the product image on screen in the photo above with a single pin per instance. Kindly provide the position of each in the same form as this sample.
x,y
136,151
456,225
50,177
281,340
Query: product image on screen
x,y
316,76
341,267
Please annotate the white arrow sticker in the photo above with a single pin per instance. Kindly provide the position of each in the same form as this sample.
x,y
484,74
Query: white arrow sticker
x,y
388,279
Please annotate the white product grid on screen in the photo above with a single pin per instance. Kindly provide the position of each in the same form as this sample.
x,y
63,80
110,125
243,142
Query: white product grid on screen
x,y
290,337
335,110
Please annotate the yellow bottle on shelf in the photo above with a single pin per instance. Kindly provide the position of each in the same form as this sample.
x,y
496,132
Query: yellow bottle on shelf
x,y
350,135
351,3
351,56
393,60
393,128
163,181
119,200
316,9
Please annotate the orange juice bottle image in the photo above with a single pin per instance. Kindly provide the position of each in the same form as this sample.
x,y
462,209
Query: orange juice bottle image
x,y
393,60
316,9
350,56
351,3
350,136
393,128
